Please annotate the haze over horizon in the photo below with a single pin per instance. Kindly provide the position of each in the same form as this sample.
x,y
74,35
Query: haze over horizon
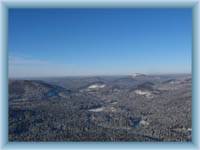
x,y
89,42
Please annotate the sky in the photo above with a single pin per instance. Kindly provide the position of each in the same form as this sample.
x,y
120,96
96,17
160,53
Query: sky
x,y
109,41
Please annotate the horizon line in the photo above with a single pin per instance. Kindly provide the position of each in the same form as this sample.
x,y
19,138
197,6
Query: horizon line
x,y
100,75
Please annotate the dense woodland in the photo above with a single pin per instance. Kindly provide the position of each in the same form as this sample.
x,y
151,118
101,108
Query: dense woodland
x,y
114,108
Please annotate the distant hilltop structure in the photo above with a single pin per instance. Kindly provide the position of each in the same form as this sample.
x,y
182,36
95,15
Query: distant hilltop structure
x,y
138,75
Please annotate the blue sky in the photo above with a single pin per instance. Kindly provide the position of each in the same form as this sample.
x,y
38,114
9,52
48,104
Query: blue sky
x,y
67,42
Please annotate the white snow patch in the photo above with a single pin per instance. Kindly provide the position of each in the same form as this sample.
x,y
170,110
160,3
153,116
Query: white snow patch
x,y
114,103
113,109
183,129
96,86
171,82
144,93
144,123
97,109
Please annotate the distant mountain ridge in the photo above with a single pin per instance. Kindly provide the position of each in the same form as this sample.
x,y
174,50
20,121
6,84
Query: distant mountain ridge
x,y
32,90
